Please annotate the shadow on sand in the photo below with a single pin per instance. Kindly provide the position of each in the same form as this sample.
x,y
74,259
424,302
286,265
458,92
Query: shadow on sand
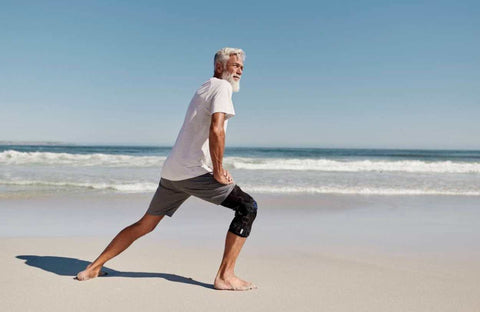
x,y
70,267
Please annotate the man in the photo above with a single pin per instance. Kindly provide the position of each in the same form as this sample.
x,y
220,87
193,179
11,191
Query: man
x,y
195,167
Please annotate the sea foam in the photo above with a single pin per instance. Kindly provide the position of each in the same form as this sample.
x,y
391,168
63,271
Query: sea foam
x,y
11,157
124,187
328,165
138,169
144,187
269,189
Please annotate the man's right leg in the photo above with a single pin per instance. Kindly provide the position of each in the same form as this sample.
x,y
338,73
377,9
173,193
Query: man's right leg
x,y
121,242
165,201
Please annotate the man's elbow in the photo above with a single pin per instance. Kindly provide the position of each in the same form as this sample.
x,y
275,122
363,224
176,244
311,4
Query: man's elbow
x,y
217,131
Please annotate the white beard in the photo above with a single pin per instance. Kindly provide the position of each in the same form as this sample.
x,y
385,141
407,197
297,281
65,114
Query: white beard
x,y
229,77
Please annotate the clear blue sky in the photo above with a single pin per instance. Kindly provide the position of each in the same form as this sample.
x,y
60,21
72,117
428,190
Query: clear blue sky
x,y
394,74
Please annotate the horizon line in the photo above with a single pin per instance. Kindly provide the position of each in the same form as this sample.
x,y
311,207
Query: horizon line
x,y
87,144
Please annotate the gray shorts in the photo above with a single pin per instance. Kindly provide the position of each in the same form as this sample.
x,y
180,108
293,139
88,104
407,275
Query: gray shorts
x,y
171,194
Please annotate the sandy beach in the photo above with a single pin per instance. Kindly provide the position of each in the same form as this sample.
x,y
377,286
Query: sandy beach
x,y
353,124
306,253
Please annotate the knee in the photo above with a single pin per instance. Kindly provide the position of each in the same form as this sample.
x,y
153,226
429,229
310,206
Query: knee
x,y
145,226
245,214
250,210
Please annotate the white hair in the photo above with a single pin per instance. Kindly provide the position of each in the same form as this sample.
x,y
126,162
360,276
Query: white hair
x,y
224,54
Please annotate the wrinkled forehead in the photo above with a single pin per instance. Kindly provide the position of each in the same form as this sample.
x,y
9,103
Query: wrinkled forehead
x,y
234,58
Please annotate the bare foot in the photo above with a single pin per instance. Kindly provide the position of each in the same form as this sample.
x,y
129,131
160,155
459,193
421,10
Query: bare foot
x,y
232,283
89,273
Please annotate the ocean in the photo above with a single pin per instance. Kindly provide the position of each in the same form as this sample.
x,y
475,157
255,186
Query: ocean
x,y
29,170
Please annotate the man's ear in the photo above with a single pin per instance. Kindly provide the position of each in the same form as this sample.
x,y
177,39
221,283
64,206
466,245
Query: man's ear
x,y
218,68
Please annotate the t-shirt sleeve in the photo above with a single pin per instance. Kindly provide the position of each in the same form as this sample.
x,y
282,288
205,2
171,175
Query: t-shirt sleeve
x,y
221,100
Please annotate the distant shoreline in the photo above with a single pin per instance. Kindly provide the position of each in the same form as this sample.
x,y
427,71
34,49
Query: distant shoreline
x,y
37,143
55,143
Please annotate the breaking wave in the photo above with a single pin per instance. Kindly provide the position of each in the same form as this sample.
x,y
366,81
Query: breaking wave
x,y
143,187
11,157
82,160
357,191
355,165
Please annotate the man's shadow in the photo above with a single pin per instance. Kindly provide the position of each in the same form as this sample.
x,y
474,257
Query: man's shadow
x,y
70,267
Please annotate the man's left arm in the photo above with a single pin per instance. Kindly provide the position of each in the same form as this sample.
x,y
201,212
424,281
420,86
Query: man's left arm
x,y
217,147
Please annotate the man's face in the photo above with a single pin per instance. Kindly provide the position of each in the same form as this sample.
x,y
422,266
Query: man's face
x,y
232,72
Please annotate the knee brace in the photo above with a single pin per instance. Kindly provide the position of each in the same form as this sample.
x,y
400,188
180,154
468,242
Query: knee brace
x,y
245,208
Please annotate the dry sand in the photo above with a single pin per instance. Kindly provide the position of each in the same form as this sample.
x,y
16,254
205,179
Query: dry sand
x,y
306,253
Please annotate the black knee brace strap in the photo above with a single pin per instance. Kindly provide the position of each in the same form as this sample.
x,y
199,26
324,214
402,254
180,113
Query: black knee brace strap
x,y
245,211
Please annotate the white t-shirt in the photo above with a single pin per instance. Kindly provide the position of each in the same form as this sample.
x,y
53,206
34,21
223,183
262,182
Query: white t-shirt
x,y
190,156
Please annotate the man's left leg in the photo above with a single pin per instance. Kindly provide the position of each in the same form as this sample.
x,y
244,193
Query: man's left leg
x,y
226,278
245,212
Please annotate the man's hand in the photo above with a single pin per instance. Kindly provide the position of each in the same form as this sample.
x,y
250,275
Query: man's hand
x,y
222,176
